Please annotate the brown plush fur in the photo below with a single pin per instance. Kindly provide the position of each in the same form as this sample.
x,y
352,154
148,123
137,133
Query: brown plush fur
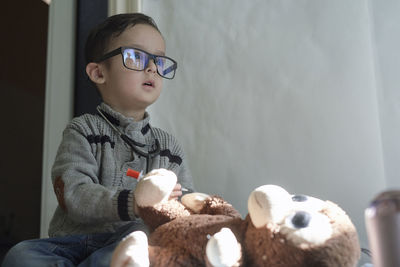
x,y
266,247
184,239
163,213
180,239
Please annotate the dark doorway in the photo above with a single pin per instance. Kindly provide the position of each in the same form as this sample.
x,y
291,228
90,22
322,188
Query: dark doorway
x,y
89,14
23,27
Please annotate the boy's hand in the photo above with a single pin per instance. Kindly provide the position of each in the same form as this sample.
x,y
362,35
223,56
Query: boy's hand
x,y
176,192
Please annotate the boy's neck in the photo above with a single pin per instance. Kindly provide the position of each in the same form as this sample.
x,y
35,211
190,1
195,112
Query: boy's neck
x,y
137,115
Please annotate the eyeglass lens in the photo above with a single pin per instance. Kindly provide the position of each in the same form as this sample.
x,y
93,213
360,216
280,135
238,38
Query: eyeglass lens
x,y
138,60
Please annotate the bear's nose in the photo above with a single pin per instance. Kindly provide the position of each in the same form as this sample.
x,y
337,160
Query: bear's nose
x,y
301,219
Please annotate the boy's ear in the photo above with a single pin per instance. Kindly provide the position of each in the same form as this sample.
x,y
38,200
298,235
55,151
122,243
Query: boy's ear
x,y
95,72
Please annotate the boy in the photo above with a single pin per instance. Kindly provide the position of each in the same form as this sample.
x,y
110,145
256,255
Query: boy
x,y
98,154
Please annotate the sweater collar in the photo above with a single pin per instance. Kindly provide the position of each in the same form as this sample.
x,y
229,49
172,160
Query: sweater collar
x,y
126,124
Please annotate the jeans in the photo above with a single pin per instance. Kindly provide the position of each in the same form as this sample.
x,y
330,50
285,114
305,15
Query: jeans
x,y
75,250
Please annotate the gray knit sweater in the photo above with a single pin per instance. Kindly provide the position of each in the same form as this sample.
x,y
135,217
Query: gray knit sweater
x,y
89,174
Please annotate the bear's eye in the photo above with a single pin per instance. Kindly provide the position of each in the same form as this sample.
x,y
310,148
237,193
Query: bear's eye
x,y
306,226
300,219
299,198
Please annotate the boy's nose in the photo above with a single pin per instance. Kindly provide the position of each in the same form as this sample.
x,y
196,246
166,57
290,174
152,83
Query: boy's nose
x,y
151,66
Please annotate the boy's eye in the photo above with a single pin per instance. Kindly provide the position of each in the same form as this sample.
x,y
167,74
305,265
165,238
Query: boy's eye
x,y
160,61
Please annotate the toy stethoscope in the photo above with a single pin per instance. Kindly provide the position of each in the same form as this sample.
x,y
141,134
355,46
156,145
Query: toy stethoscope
x,y
133,144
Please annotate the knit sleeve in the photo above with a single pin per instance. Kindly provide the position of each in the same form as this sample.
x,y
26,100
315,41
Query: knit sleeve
x,y
183,173
172,157
80,194
178,161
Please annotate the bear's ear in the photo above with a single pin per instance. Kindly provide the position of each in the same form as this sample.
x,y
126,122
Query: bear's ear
x,y
132,251
223,249
268,203
194,201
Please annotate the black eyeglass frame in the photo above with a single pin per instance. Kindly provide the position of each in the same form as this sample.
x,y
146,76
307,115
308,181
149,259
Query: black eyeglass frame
x,y
120,50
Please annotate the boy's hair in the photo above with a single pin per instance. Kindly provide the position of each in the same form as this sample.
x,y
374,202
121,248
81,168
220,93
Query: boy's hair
x,y
100,36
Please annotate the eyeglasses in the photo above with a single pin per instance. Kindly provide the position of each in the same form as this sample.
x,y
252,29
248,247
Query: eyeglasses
x,y
137,59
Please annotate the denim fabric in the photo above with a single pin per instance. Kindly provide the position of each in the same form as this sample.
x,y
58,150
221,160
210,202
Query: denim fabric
x,y
78,250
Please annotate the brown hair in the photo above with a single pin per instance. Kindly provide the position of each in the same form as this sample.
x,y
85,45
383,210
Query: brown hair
x,y
100,36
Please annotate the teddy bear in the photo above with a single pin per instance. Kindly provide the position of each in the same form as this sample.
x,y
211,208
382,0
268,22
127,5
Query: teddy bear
x,y
280,229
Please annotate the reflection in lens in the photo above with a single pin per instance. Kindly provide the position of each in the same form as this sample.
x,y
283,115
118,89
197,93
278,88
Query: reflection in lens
x,y
166,67
143,60
136,59
128,59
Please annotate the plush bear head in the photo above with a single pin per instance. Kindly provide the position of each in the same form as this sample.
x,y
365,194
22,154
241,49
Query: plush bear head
x,y
280,230
298,230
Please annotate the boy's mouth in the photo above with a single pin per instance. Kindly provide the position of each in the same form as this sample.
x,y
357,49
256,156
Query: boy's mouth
x,y
149,83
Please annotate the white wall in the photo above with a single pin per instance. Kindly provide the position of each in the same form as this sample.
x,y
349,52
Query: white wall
x,y
280,92
59,95
387,56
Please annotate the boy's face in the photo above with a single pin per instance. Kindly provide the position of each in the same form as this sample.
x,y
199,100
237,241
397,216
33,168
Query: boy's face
x,y
129,91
